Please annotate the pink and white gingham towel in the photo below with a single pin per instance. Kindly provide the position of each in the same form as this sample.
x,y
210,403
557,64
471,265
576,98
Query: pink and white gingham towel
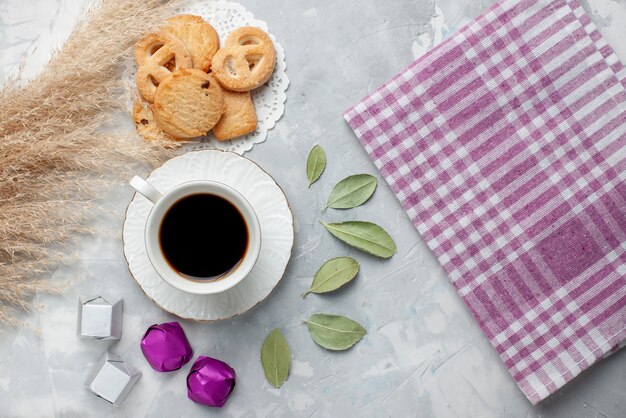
x,y
506,145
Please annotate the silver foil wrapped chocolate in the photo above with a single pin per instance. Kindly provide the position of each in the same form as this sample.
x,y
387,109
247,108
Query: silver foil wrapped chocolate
x,y
112,378
99,318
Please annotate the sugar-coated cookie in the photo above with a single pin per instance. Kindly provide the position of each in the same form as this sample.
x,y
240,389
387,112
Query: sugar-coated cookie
x,y
198,36
239,116
188,103
246,60
156,55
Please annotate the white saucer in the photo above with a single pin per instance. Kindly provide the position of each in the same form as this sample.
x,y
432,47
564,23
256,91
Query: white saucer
x,y
271,207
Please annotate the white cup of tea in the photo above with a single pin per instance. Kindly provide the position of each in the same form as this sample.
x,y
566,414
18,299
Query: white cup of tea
x,y
202,237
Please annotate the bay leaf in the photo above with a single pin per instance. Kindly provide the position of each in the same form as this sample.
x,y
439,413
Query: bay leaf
x,y
315,164
352,191
366,236
333,274
275,358
334,332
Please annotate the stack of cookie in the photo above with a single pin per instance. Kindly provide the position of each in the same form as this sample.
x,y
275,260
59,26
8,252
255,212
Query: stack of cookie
x,y
189,86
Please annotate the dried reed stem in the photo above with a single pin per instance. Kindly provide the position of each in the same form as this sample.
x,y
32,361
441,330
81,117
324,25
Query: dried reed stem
x,y
57,146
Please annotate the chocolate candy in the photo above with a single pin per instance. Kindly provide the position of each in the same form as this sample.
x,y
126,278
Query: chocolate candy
x,y
210,381
166,347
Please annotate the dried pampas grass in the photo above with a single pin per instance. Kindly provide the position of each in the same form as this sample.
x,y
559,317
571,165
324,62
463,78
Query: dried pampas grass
x,y
57,147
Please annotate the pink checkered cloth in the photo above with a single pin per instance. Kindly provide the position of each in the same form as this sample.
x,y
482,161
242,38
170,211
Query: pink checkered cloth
x,y
506,145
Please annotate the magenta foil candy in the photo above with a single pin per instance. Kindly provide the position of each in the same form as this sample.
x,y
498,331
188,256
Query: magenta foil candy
x,y
166,347
210,381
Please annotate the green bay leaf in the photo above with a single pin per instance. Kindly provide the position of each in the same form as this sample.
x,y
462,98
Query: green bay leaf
x,y
334,332
315,164
333,274
366,236
352,191
275,358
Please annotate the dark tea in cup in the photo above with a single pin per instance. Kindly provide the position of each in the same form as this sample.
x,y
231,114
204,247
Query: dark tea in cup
x,y
203,236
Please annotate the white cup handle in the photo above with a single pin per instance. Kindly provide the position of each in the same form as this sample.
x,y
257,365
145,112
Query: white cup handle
x,y
145,189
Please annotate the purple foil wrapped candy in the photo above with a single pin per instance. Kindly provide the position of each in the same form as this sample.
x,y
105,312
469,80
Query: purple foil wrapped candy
x,y
166,347
210,381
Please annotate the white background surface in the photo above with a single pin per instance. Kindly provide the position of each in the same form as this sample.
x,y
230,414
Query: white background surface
x,y
423,355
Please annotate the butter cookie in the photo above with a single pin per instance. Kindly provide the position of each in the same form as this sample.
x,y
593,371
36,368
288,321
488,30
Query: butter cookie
x,y
188,103
145,123
198,36
246,60
156,54
239,116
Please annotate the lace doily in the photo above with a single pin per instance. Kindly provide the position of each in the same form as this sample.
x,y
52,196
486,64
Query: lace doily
x,y
269,99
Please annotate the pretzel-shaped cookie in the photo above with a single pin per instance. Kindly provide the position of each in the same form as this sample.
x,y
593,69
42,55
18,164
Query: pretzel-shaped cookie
x,y
154,53
246,60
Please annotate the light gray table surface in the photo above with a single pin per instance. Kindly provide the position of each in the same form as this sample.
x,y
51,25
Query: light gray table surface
x,y
423,355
